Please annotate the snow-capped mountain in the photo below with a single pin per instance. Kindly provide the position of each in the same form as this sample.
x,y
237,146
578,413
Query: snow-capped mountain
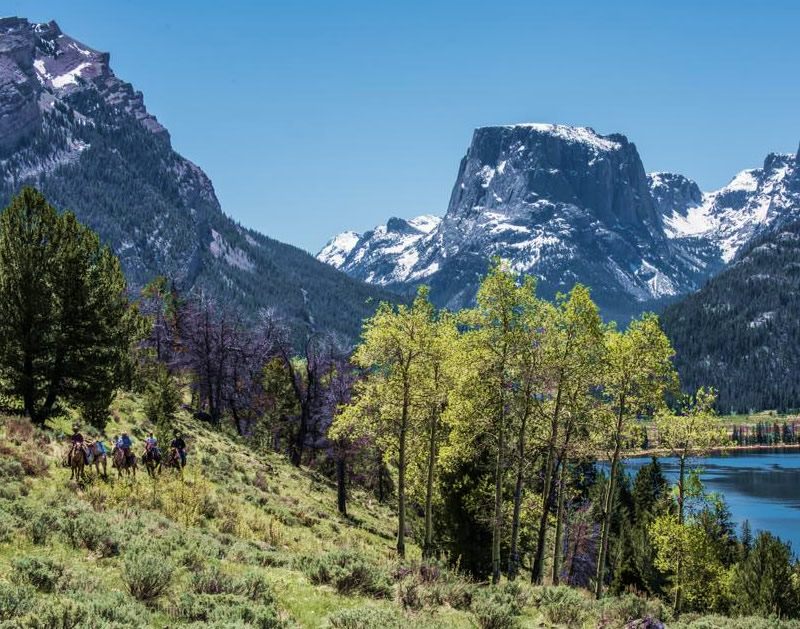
x,y
565,204
72,128
754,200
384,255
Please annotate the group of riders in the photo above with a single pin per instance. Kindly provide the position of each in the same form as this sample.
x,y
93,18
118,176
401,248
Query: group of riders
x,y
93,450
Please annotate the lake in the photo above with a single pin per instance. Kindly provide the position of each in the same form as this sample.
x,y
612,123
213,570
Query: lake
x,y
762,486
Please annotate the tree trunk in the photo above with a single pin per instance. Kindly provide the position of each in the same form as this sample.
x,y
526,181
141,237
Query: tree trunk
x,y
427,549
608,507
401,476
550,472
498,500
559,522
513,562
300,438
341,489
679,571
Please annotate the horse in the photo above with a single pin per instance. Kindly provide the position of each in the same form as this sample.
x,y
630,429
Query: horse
x,y
152,461
123,463
173,460
77,463
98,457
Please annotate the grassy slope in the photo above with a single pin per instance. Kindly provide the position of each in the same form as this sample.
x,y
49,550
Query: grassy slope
x,y
249,514
228,494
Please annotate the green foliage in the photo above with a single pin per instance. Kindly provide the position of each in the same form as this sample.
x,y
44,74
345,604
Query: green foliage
x,y
146,574
54,277
348,572
161,399
562,605
764,582
15,600
85,528
365,618
59,613
42,572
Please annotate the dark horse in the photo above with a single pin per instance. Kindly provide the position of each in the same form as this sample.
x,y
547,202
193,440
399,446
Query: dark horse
x,y
152,461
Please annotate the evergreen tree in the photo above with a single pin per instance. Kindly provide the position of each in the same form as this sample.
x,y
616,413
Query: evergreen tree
x,y
66,327
764,581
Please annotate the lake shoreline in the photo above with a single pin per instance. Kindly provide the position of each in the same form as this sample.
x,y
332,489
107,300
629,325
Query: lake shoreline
x,y
660,452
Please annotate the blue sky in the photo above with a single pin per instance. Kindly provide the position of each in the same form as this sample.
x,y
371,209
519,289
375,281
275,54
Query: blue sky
x,y
315,117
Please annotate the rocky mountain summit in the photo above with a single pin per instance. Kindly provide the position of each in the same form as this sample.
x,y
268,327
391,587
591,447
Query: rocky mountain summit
x,y
569,205
565,204
755,200
71,127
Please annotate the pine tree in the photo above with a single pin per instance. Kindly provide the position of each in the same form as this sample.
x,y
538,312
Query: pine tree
x,y
66,327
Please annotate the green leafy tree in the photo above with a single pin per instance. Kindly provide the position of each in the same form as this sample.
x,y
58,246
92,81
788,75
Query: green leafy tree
x,y
389,402
481,412
66,327
161,401
692,432
637,373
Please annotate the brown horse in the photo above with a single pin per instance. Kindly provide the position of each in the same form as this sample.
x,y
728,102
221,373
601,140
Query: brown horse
x,y
77,463
99,458
123,463
152,462
173,460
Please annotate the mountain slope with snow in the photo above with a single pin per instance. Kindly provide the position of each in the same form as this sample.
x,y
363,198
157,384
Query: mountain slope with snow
x,y
72,128
754,200
565,204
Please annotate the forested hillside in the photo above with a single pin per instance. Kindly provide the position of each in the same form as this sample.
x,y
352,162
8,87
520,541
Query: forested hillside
x,y
741,332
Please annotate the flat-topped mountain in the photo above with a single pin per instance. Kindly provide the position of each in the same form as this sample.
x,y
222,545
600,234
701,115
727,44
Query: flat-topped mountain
x,y
565,204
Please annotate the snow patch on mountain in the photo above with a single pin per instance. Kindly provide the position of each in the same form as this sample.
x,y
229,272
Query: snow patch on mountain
x,y
755,199
583,135
338,248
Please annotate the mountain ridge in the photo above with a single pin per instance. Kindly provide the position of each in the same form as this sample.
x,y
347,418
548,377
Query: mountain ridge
x,y
84,137
580,208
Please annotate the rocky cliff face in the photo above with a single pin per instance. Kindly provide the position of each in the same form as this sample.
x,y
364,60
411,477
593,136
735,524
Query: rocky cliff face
x,y
71,127
755,200
564,204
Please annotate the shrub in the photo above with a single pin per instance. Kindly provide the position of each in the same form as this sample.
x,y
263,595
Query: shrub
x,y
40,523
364,618
63,613
212,580
145,574
254,585
11,469
348,572
115,609
227,610
15,600
9,525
409,595
493,612
87,529
41,572
620,610
19,429
561,605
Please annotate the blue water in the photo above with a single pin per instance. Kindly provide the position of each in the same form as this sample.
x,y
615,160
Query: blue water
x,y
762,486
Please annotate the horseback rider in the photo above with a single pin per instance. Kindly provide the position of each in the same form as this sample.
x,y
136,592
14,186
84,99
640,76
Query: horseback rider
x,y
180,447
126,444
151,445
77,442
